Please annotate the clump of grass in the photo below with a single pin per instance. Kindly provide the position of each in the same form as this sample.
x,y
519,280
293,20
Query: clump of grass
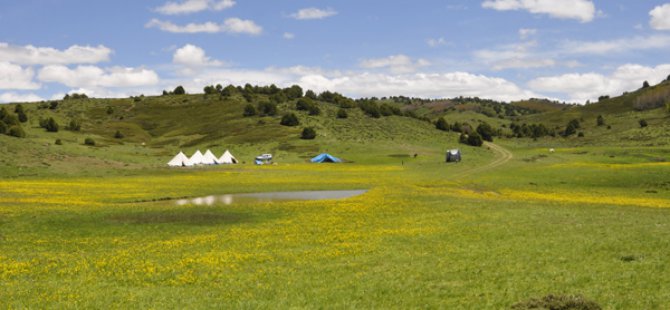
x,y
558,302
628,258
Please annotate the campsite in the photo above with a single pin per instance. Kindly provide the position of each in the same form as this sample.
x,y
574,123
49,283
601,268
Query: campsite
x,y
216,154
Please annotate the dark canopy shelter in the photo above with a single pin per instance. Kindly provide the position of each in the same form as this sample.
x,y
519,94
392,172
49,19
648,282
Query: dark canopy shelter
x,y
326,158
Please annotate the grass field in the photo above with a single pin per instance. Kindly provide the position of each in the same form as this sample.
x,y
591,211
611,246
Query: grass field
x,y
588,221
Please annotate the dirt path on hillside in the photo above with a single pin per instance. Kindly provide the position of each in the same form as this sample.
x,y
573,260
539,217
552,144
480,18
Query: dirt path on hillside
x,y
503,156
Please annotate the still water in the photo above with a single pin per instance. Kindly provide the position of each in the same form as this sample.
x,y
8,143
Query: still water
x,y
268,197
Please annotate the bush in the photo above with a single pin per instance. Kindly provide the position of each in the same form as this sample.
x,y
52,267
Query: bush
x,y
442,124
580,134
289,120
58,142
22,117
249,110
473,139
311,95
110,110
74,125
267,108
314,110
118,135
3,128
559,302
342,113
308,133
89,141
486,131
600,121
643,123
370,108
16,131
304,104
51,125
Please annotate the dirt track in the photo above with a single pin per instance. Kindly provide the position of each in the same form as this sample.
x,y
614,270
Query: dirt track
x,y
503,156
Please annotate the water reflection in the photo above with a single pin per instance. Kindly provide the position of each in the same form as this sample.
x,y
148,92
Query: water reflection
x,y
229,199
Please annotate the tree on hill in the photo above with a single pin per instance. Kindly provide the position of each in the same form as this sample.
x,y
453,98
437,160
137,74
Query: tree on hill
x,y
442,124
600,121
308,133
370,108
342,113
179,90
3,128
571,128
645,84
472,139
293,92
249,110
311,95
18,109
289,119
210,90
486,131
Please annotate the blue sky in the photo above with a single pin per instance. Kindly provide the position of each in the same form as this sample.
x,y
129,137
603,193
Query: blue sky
x,y
572,50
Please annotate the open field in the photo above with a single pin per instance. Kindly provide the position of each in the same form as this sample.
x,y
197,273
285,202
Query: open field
x,y
589,221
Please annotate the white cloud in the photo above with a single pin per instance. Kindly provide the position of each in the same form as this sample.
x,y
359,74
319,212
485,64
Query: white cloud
x,y
525,33
617,46
660,17
313,13
194,6
15,77
288,36
31,55
514,56
366,84
583,10
436,42
231,25
193,56
579,87
92,76
395,63
11,97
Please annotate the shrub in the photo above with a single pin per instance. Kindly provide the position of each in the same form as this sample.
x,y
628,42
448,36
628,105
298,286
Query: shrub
x,y
559,302
16,131
473,139
51,125
486,131
600,121
249,110
267,108
304,104
370,108
89,141
289,120
74,125
643,123
22,117
110,110
580,134
311,95
3,127
442,124
308,133
645,84
118,135
314,110
54,104
572,127
342,113
58,142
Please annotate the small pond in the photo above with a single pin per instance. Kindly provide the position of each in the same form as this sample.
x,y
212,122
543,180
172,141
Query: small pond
x,y
268,197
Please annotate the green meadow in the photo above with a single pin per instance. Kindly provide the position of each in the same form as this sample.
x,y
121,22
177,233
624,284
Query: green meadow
x,y
97,226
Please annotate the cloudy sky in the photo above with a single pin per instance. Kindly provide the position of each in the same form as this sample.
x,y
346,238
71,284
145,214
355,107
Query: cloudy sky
x,y
572,50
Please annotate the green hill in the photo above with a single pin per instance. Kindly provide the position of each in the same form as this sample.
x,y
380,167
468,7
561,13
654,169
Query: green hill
x,y
155,128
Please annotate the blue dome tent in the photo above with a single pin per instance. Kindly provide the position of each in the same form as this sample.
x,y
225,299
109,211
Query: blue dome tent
x,y
325,158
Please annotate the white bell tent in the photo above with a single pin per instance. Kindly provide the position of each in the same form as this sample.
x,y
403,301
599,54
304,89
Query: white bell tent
x,y
227,158
180,160
197,158
209,158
